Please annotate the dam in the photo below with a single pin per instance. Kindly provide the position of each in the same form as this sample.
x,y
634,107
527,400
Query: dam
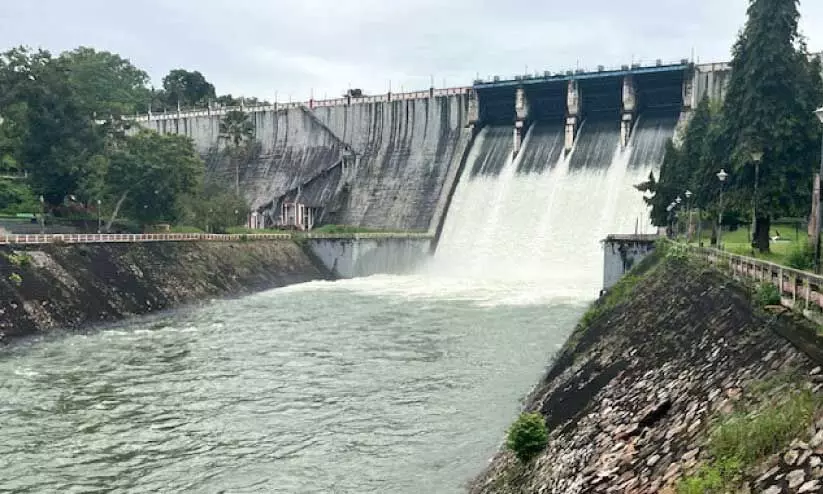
x,y
403,382
392,161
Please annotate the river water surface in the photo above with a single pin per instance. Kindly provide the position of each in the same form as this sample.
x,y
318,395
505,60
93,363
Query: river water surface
x,y
383,384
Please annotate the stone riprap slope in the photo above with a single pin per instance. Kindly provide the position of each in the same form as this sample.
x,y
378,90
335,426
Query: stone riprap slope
x,y
49,287
632,398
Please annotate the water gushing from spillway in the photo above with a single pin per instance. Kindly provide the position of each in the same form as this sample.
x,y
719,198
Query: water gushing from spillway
x,y
537,234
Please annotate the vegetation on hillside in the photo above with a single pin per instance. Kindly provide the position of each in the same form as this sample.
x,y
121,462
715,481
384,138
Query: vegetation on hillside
x,y
63,138
775,87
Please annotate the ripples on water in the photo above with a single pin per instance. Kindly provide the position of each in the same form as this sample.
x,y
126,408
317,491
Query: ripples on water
x,y
384,384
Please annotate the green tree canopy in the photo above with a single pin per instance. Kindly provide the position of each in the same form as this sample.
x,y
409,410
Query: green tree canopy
x,y
152,175
106,83
57,137
190,89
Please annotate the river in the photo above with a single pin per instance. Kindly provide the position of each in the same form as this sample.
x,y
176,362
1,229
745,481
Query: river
x,y
382,384
385,384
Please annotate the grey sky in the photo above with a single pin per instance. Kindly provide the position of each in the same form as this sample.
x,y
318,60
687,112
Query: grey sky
x,y
259,47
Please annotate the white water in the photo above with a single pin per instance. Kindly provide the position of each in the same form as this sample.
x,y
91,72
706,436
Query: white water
x,y
535,237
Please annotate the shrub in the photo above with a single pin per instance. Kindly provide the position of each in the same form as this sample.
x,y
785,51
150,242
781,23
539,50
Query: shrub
x,y
749,437
767,294
19,260
677,252
16,279
801,257
527,436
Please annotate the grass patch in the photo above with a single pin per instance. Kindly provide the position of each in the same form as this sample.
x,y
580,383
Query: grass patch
x,y
244,230
749,437
740,441
358,229
717,477
792,251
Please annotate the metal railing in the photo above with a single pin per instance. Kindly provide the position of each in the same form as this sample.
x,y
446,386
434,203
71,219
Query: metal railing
x,y
311,104
96,238
795,286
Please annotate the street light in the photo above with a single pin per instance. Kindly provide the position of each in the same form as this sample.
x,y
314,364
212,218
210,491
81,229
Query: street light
x,y
688,195
99,224
42,215
819,113
757,157
670,209
722,176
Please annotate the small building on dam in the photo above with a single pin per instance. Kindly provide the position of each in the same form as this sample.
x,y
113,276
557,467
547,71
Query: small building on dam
x,y
394,160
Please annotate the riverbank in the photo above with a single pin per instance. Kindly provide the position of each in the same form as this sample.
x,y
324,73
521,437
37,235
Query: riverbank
x,y
47,287
643,396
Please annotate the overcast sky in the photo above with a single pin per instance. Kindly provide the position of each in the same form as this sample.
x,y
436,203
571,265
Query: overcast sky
x,y
259,47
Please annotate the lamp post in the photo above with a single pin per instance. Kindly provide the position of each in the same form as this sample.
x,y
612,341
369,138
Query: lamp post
x,y
42,215
677,203
819,113
688,195
99,223
721,175
670,209
757,157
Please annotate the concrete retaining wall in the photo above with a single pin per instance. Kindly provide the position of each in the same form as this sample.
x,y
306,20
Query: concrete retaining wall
x,y
621,253
351,258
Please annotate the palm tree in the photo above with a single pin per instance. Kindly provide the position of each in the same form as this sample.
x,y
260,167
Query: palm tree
x,y
236,129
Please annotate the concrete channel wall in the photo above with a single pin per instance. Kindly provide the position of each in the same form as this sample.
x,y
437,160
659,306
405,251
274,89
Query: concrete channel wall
x,y
352,258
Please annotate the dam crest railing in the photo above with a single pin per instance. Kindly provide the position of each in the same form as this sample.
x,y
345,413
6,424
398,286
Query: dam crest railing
x,y
311,104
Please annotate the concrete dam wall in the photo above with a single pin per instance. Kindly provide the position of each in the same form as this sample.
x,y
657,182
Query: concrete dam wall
x,y
290,148
377,162
405,151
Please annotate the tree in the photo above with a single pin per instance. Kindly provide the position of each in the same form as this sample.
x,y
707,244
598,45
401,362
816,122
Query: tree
x,y
189,89
236,129
773,90
215,208
152,174
57,136
105,83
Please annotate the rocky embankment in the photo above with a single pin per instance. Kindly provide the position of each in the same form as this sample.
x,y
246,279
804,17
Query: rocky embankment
x,y
70,286
657,386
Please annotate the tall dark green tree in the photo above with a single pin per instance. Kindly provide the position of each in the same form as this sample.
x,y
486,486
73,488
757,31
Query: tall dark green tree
x,y
681,167
773,91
